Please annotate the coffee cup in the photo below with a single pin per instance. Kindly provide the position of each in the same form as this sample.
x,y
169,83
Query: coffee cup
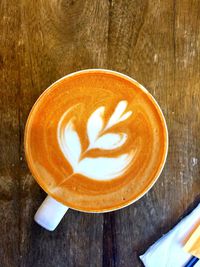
x,y
96,141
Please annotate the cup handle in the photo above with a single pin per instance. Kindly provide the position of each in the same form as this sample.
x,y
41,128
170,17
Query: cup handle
x,y
50,213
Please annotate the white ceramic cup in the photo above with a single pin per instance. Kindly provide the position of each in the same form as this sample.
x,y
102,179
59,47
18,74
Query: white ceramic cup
x,y
51,211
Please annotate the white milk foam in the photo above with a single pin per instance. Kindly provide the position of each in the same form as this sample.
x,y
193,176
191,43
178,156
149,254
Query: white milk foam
x,y
98,168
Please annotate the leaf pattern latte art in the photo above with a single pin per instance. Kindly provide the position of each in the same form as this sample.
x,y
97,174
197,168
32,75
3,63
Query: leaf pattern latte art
x,y
98,168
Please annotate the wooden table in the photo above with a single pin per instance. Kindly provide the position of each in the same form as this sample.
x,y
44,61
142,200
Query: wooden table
x,y
156,43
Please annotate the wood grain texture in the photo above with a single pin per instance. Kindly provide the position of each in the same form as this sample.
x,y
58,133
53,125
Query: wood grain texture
x,y
156,43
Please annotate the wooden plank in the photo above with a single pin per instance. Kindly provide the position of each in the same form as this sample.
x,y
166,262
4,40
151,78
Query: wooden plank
x,y
157,43
9,135
57,37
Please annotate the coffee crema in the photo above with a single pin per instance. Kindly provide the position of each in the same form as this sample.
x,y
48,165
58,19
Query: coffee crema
x,y
96,140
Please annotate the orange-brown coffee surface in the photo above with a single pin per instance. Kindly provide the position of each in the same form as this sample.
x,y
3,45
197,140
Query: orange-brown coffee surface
x,y
95,140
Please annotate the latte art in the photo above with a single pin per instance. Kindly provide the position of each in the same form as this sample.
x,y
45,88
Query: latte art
x,y
98,168
96,140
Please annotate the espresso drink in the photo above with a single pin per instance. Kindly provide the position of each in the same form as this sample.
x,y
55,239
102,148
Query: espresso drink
x,y
96,140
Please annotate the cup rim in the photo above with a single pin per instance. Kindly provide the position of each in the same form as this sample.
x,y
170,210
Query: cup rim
x,y
161,166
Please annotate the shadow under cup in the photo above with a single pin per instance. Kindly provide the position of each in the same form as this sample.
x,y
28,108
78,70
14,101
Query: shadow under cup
x,y
50,136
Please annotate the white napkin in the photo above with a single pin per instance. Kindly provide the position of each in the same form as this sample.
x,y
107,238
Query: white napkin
x,y
168,251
